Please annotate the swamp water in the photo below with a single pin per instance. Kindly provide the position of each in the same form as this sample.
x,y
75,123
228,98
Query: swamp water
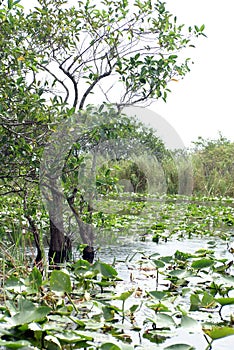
x,y
131,255
176,279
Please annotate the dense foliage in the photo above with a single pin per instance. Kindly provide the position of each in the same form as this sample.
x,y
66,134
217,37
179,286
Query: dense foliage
x,y
213,167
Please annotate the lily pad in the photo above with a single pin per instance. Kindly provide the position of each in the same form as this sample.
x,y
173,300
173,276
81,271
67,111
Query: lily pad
x,y
60,282
18,344
29,313
105,269
225,301
109,346
189,323
35,279
202,263
124,296
219,332
179,347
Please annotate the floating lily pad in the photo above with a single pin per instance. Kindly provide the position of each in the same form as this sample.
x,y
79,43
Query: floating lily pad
x,y
225,301
202,263
29,313
179,347
60,282
18,344
219,332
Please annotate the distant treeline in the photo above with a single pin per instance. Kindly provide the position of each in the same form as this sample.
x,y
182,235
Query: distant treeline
x,y
209,165
207,169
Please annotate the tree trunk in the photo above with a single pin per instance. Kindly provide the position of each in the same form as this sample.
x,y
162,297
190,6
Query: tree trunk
x,y
38,259
88,254
85,230
35,232
60,245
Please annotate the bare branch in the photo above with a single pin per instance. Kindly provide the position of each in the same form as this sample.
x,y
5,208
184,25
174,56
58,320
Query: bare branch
x,y
90,88
57,79
11,192
74,82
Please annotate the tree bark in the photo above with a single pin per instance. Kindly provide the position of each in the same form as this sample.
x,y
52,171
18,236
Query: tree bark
x,y
85,230
88,254
34,230
60,245
36,236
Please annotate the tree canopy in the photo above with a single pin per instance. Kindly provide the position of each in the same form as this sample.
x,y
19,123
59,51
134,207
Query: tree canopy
x,y
58,59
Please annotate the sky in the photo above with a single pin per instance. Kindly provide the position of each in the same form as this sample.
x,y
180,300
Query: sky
x,y
202,103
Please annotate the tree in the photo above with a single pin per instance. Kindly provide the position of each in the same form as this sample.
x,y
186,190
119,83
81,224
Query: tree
x,y
56,60
213,167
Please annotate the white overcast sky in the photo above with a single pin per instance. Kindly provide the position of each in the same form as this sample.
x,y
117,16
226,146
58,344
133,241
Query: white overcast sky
x,y
202,103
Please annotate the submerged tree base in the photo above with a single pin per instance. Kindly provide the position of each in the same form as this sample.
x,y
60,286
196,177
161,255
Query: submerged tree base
x,y
88,254
58,257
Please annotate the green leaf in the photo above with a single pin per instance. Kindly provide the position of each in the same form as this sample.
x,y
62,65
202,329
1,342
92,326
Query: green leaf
x,y
166,259
133,308
55,342
105,269
189,322
29,313
194,302
159,263
219,332
18,344
19,80
158,294
159,307
72,337
124,296
163,320
178,273
202,263
35,279
225,301
60,282
179,347
81,264
109,346
10,4
202,27
13,283
207,300
154,337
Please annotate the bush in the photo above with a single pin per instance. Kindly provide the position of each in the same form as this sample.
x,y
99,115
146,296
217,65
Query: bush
x,y
213,164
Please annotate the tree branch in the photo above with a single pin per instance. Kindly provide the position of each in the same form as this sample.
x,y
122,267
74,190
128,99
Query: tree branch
x,y
90,88
57,79
73,80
